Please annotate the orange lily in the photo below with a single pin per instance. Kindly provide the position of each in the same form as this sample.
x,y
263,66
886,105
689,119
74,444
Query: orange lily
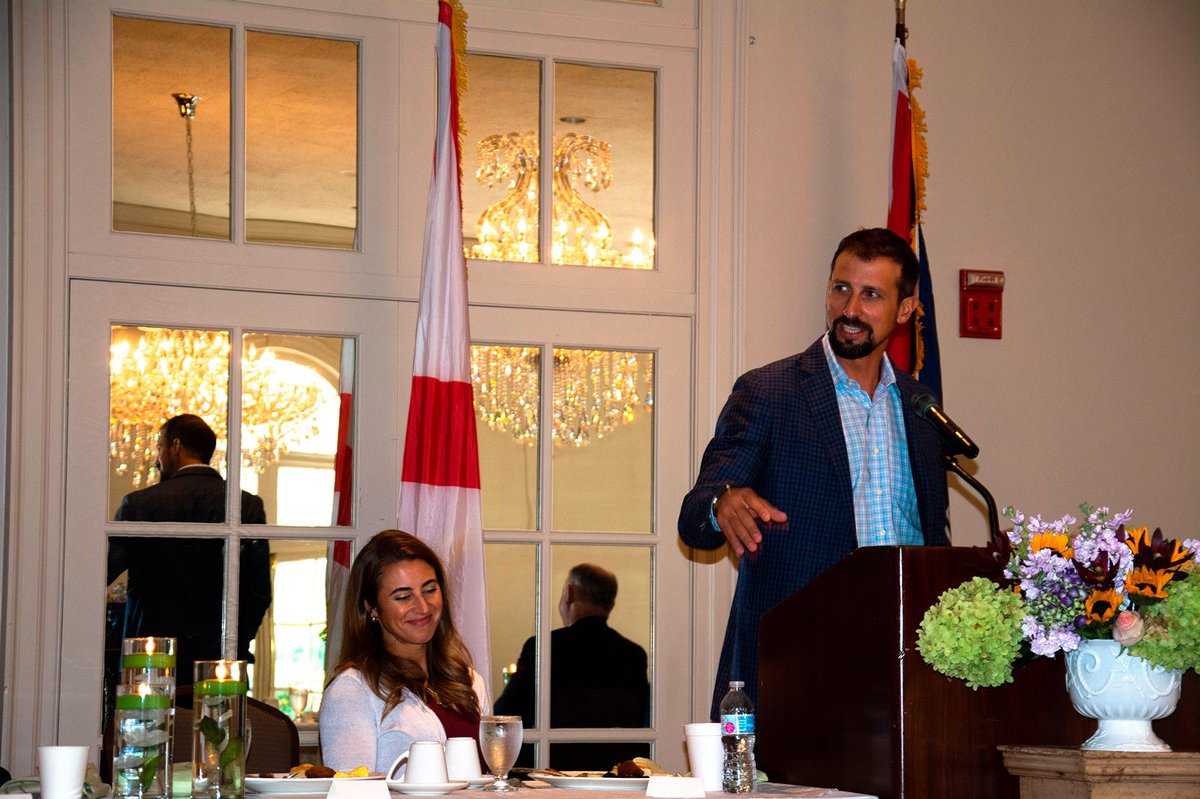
x,y
1149,583
1156,552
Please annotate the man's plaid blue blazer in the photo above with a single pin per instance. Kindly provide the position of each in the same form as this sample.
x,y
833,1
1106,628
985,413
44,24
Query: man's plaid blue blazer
x,y
780,433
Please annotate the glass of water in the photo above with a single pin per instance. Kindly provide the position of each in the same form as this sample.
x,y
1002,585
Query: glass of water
x,y
500,738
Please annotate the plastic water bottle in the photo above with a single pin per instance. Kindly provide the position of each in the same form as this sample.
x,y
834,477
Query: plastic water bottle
x,y
737,735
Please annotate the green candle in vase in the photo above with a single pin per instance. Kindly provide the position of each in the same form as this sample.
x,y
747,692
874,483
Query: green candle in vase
x,y
142,742
219,729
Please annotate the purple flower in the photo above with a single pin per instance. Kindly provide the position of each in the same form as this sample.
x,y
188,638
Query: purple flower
x,y
1194,545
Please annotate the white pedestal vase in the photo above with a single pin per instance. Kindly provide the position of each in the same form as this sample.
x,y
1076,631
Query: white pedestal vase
x,y
1125,693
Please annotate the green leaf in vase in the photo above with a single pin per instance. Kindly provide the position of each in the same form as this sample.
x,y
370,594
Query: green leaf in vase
x,y
211,732
148,772
231,752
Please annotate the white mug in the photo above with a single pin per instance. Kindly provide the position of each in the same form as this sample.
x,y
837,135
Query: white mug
x,y
426,764
61,770
706,753
462,759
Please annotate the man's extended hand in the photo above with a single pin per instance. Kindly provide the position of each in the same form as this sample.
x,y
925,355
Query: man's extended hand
x,y
740,512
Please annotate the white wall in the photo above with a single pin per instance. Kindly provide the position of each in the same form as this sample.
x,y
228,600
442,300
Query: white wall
x,y
1063,150
5,277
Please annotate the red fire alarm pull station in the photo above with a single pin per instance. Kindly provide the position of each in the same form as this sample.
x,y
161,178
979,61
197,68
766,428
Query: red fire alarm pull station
x,y
980,293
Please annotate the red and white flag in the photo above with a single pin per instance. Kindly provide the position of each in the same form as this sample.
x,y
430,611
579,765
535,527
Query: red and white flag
x,y
914,344
338,571
439,488
901,197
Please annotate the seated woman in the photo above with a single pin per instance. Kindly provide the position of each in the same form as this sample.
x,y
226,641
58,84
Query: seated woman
x,y
404,674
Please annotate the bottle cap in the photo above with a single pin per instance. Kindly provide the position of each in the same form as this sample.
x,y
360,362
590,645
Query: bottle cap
x,y
736,685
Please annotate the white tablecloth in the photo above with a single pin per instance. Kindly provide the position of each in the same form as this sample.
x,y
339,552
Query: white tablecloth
x,y
764,790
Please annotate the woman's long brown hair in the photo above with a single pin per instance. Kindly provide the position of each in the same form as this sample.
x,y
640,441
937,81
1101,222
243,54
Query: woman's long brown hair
x,y
447,657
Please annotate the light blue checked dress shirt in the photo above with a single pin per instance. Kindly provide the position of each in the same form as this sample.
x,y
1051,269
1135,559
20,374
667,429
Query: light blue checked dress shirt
x,y
885,501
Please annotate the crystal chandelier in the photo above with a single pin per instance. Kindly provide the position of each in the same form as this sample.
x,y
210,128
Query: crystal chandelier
x,y
581,235
594,391
157,373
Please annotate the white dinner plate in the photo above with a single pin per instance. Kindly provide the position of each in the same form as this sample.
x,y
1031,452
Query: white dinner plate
x,y
574,779
431,789
279,785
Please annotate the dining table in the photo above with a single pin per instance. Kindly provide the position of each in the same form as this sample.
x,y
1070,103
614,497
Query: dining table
x,y
537,789
762,790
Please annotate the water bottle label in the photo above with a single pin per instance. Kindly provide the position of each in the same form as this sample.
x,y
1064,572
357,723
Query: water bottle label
x,y
737,724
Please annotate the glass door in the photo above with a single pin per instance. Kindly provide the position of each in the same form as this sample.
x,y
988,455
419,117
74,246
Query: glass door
x,y
583,431
206,430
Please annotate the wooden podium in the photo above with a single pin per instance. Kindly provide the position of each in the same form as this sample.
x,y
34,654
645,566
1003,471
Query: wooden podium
x,y
846,701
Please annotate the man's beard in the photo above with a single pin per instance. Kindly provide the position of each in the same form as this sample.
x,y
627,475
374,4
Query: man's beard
x,y
851,352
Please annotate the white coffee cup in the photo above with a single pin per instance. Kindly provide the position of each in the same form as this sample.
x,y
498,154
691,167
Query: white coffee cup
x,y
706,754
61,770
462,759
425,764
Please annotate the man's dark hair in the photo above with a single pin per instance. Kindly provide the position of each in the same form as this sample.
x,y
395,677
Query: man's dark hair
x,y
597,585
868,244
193,433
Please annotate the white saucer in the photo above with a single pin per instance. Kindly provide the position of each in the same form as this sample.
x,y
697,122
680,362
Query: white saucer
x,y
433,789
479,782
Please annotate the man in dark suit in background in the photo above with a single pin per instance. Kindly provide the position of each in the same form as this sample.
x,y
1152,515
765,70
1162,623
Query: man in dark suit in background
x,y
597,675
820,452
175,585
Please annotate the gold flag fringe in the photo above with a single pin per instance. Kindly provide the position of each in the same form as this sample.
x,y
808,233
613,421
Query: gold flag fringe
x,y
919,339
458,37
920,150
920,172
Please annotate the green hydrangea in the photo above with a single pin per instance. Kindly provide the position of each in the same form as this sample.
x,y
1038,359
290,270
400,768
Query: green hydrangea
x,y
973,633
1172,637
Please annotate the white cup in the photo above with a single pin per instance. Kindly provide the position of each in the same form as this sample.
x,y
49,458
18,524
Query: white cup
x,y
426,764
61,770
462,759
706,754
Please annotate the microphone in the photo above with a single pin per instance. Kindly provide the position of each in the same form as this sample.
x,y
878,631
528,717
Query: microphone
x,y
925,406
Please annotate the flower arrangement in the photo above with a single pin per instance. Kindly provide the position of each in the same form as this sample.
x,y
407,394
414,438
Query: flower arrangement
x,y
1061,584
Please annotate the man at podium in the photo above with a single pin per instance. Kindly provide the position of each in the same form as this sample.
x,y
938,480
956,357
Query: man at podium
x,y
820,452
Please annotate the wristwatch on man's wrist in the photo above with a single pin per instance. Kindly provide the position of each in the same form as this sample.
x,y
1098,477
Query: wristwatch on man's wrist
x,y
717,498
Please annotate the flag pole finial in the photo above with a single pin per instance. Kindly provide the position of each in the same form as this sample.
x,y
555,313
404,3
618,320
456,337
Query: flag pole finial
x,y
901,30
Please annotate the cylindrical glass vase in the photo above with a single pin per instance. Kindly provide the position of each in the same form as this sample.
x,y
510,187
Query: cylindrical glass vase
x,y
148,660
142,742
219,729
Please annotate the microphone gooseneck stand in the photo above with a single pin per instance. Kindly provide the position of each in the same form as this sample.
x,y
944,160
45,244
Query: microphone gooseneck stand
x,y
998,541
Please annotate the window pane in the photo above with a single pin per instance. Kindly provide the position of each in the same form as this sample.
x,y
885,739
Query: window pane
x,y
603,166
501,113
301,140
603,441
290,419
599,657
594,756
171,161
155,374
506,382
296,648
512,579
174,586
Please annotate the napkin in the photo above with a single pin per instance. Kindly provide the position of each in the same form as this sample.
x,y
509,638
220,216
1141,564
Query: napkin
x,y
675,788
93,786
358,789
